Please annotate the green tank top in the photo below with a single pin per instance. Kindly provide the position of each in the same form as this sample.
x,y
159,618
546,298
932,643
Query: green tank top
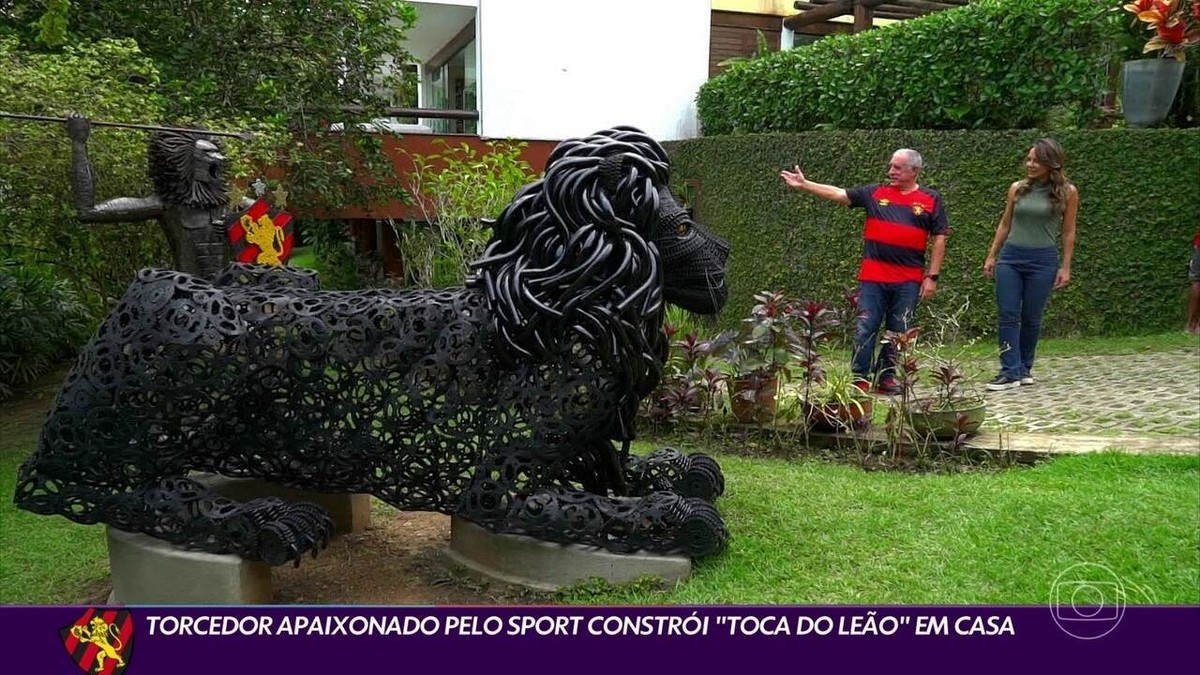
x,y
1034,222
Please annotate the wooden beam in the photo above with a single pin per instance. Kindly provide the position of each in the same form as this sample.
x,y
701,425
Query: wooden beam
x,y
929,5
825,28
924,4
432,113
820,11
802,6
894,12
863,17
827,12
819,14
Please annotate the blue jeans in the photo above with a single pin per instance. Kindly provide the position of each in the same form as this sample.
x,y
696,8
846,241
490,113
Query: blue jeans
x,y
880,304
1024,279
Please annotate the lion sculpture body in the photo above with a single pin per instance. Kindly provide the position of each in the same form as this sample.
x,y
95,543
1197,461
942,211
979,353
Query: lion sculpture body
x,y
509,402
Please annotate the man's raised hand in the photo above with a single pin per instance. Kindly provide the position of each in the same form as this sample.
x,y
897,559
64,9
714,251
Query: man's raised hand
x,y
794,178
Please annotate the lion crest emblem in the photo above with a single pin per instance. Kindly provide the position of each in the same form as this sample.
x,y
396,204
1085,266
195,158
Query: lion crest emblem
x,y
100,642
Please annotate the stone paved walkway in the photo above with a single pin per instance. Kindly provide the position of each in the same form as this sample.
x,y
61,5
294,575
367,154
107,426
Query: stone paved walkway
x,y
1141,394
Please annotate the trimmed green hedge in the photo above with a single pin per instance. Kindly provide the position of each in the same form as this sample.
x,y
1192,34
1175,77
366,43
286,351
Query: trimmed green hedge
x,y
1139,209
993,64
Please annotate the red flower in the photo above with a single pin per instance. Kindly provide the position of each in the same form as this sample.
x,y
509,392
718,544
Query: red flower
x,y
1174,32
1169,21
1139,6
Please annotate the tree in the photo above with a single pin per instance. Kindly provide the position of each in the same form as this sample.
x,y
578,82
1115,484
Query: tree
x,y
109,79
266,59
280,68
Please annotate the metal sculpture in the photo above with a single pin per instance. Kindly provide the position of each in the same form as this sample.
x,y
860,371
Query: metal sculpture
x,y
190,203
509,402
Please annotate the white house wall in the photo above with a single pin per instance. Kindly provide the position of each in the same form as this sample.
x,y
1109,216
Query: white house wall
x,y
555,69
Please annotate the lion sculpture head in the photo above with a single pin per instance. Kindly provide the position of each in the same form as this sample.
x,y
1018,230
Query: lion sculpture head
x,y
593,250
187,170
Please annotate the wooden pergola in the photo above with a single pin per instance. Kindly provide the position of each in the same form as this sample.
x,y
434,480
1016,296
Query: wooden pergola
x,y
865,11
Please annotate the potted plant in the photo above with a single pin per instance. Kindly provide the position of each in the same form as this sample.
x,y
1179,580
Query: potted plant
x,y
1148,86
952,410
760,355
688,383
835,403
830,401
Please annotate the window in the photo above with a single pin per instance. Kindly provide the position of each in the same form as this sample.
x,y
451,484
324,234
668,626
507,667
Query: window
x,y
452,83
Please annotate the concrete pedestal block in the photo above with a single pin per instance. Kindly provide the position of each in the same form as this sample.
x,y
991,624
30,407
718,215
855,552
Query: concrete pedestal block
x,y
351,513
547,566
149,571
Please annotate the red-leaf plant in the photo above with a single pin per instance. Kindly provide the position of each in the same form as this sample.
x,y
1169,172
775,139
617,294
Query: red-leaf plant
x,y
1172,31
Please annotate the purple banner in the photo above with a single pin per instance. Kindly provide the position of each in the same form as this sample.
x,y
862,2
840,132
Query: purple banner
x,y
300,639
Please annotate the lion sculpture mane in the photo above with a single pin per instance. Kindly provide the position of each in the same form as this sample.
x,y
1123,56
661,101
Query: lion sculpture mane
x,y
509,402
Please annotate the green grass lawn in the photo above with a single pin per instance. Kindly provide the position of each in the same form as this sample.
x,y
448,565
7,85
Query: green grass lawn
x,y
810,532
303,256
806,531
43,560
1104,345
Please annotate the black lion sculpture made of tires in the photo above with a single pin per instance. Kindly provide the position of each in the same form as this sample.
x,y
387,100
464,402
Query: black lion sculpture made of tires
x,y
509,402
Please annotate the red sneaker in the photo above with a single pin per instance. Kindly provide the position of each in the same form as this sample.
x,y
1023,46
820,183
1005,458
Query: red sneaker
x,y
864,385
888,386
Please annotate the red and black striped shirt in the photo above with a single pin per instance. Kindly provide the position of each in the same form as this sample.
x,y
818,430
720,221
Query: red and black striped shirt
x,y
897,230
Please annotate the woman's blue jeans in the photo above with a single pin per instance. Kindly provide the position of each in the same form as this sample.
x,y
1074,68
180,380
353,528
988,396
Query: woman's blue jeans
x,y
1024,279
880,304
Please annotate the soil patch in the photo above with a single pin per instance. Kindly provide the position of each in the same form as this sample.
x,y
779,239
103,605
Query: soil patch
x,y
396,561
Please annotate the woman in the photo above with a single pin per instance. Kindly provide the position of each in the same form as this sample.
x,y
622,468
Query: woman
x,y
1040,210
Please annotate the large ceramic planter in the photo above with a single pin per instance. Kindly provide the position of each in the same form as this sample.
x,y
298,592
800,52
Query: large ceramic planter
x,y
838,417
1148,87
752,400
928,421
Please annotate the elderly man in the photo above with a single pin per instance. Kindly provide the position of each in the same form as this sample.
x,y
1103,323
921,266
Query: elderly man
x,y
901,216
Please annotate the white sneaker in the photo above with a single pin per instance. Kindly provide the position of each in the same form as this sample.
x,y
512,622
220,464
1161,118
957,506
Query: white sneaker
x,y
1001,383
1027,380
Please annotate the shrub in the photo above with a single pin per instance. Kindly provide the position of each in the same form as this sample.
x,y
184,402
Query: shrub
x,y
455,190
109,79
334,253
992,64
41,321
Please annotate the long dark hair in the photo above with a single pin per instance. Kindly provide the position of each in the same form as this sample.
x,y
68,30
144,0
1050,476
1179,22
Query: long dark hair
x,y
1050,155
